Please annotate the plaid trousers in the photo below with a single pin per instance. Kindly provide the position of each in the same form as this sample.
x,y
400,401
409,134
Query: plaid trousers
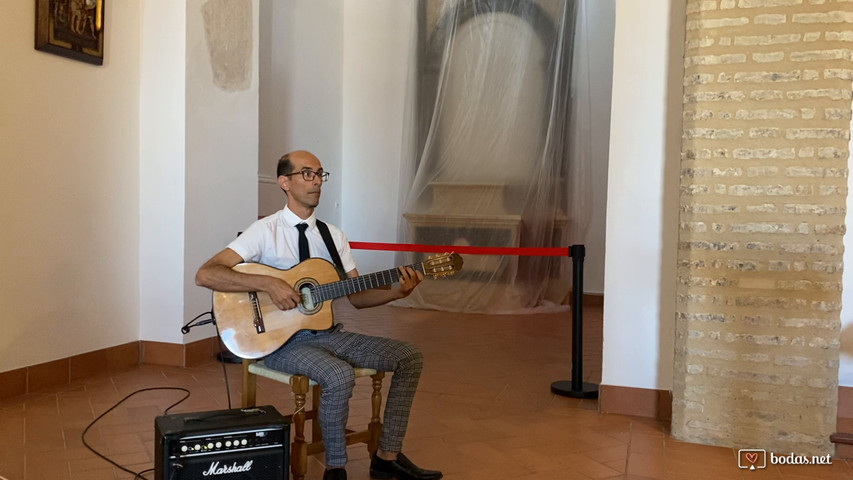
x,y
328,357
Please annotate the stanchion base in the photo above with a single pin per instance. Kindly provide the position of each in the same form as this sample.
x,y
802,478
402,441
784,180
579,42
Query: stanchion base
x,y
228,357
564,388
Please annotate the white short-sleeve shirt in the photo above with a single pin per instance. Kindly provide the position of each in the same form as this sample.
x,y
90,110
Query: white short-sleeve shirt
x,y
274,241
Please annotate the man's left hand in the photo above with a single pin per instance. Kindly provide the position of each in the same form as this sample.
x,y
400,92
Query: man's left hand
x,y
409,279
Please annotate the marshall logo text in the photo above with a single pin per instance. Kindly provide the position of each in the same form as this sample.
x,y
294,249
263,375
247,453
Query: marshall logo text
x,y
215,469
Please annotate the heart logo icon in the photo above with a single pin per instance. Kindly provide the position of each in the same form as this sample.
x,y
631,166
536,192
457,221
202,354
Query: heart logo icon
x,y
751,457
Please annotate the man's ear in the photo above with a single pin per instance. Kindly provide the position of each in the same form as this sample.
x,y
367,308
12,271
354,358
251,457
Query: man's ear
x,y
283,183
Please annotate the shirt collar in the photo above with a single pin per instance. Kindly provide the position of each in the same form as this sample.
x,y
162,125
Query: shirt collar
x,y
292,219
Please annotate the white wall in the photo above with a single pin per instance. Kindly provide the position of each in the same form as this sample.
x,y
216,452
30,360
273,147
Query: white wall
x,y
599,18
301,95
845,367
378,46
333,81
221,162
198,170
69,192
642,199
162,116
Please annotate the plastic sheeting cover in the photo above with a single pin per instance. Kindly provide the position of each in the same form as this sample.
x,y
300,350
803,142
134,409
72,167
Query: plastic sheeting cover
x,y
496,152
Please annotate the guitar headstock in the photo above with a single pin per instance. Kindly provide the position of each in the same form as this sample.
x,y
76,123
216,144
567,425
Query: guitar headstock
x,y
443,265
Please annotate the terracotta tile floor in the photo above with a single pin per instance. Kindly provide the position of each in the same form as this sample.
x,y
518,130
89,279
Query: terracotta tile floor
x,y
484,411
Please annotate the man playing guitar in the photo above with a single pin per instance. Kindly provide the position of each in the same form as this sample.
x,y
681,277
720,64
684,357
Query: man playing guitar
x,y
325,356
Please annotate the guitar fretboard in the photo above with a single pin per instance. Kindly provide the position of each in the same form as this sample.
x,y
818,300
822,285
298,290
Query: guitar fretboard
x,y
330,291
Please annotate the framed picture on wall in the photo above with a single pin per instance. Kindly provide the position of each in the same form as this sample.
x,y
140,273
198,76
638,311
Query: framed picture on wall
x,y
71,28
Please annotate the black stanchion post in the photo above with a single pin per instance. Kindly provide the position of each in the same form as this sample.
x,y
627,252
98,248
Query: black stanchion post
x,y
576,388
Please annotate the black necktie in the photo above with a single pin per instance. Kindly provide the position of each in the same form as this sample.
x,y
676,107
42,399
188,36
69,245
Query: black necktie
x,y
303,242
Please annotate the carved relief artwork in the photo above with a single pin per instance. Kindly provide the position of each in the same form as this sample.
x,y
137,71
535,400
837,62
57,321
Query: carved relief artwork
x,y
71,28
228,32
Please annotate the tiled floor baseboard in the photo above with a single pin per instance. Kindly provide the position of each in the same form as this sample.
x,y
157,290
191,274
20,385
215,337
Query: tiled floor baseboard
x,y
64,371
843,437
640,402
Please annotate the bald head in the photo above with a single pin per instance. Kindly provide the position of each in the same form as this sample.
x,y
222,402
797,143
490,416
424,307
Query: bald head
x,y
286,164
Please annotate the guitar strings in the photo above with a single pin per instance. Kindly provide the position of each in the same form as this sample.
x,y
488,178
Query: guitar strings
x,y
340,288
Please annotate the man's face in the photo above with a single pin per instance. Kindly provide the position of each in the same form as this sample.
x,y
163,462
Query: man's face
x,y
303,193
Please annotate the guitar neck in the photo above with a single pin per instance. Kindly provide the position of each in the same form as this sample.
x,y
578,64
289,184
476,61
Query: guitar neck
x,y
331,291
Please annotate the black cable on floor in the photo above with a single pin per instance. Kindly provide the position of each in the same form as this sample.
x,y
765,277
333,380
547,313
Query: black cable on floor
x,y
224,371
195,322
137,475
185,330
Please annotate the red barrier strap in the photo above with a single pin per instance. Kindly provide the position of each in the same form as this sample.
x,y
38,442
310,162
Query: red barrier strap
x,y
412,247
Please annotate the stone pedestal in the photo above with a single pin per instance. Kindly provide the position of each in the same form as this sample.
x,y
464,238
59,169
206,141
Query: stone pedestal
x,y
454,198
445,223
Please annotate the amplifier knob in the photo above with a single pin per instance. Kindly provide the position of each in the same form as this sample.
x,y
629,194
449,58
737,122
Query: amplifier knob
x,y
218,444
197,447
244,442
184,448
228,443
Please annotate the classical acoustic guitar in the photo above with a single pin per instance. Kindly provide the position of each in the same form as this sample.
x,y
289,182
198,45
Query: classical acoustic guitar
x,y
251,326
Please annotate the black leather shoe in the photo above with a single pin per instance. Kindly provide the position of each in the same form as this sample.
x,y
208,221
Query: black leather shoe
x,y
401,469
335,474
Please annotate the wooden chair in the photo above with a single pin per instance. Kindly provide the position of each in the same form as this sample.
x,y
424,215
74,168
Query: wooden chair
x,y
300,449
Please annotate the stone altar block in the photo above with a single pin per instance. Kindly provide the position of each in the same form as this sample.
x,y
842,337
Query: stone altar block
x,y
446,223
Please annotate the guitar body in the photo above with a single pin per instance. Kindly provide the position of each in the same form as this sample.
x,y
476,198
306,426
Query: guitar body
x,y
235,311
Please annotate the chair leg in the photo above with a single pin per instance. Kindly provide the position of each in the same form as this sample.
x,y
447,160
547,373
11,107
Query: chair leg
x,y
375,426
299,449
316,432
249,385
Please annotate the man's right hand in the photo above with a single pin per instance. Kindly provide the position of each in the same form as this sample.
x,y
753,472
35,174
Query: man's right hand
x,y
282,294
218,274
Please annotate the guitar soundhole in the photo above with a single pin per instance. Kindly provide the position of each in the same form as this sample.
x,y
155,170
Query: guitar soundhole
x,y
309,305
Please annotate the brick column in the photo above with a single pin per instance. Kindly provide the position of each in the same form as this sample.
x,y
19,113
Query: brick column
x,y
767,110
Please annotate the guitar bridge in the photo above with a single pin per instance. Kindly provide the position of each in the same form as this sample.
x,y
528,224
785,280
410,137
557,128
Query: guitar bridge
x,y
257,317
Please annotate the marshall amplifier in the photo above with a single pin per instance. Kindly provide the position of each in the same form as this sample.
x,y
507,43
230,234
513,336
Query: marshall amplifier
x,y
238,444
